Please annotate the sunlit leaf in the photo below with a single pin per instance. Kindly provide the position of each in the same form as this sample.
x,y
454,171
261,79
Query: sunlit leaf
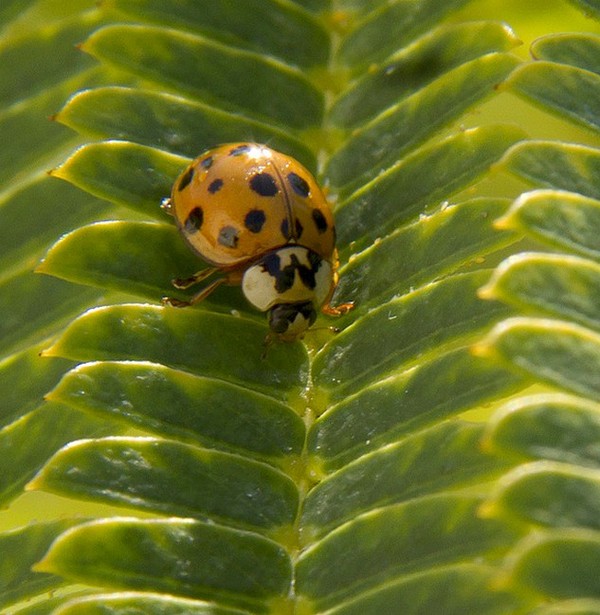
x,y
132,175
163,120
402,74
439,453
551,164
554,351
446,456
219,74
409,123
389,543
389,27
381,413
395,335
423,178
172,402
574,48
180,556
124,603
559,427
563,286
269,26
562,564
455,236
21,548
571,91
459,588
172,478
192,340
26,444
549,494
566,220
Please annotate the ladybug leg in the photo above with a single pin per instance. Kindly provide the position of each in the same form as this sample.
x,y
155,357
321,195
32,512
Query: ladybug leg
x,y
200,296
342,308
337,310
183,283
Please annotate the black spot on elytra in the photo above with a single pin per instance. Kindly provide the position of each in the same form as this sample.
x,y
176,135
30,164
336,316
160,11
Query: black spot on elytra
x,y
319,220
207,162
264,184
285,229
193,222
255,220
228,237
299,185
215,185
185,180
239,150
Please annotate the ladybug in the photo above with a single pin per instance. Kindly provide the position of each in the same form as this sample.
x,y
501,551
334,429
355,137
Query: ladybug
x,y
260,220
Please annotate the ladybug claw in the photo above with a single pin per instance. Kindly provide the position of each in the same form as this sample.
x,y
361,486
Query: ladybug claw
x,y
338,310
173,302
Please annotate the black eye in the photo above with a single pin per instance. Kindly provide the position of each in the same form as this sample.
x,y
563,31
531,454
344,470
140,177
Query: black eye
x,y
282,316
278,319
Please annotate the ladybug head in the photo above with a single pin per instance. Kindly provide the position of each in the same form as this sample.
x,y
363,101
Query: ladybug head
x,y
288,321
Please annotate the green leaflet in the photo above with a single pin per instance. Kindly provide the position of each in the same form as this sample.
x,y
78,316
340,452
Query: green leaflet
x,y
553,351
551,164
408,123
166,121
582,606
560,285
436,244
388,543
572,92
50,426
575,49
44,56
459,588
556,427
392,336
426,176
446,456
267,26
185,556
566,220
402,74
163,400
339,476
20,550
379,414
152,604
50,304
84,256
136,176
192,340
140,473
550,494
591,7
388,27
562,564
22,394
217,73
23,230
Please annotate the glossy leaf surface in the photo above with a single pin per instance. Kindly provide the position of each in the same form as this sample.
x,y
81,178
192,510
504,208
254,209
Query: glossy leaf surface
x,y
440,452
